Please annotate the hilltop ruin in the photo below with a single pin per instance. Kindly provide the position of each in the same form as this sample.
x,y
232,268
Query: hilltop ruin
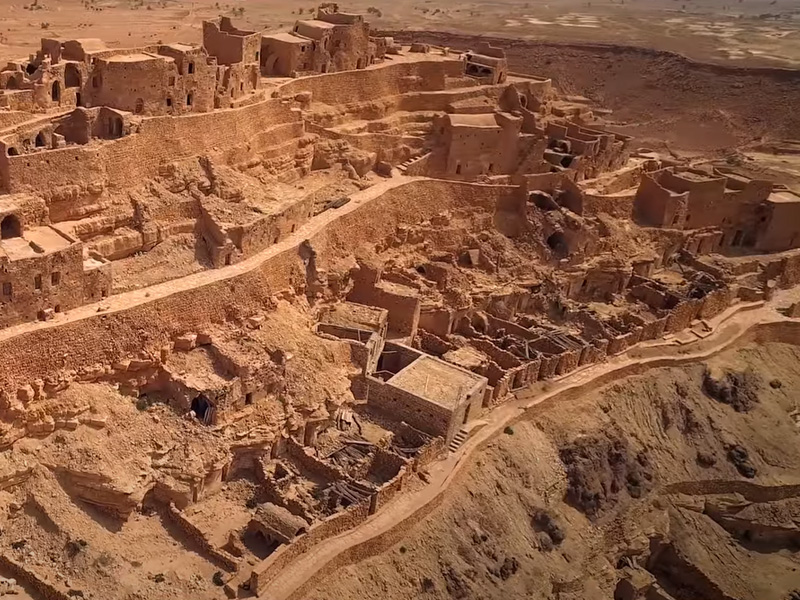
x,y
273,276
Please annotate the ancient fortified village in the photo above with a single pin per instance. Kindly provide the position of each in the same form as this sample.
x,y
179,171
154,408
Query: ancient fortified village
x,y
314,261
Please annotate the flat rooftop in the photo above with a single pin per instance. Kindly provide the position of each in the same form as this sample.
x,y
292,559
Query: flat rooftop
x,y
37,241
357,316
784,197
436,380
181,47
135,57
283,36
316,23
487,120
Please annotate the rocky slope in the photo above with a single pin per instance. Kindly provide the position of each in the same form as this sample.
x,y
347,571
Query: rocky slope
x,y
657,486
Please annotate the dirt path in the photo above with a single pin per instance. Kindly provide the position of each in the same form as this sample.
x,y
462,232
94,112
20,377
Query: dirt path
x,y
389,525
127,300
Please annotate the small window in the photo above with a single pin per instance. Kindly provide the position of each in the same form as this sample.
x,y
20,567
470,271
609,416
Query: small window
x,y
55,278
458,168
57,308
172,81
241,87
188,99
248,398
37,282
169,102
7,289
257,54
191,68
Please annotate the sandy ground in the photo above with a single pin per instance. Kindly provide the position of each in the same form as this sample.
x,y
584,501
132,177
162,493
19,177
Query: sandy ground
x,y
636,440
763,32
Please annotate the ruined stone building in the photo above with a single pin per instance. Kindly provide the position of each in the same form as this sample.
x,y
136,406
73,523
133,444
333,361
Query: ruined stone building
x,y
308,263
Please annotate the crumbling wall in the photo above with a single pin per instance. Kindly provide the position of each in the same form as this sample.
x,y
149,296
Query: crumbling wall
x,y
127,161
716,301
221,557
150,323
267,570
656,206
365,86
683,314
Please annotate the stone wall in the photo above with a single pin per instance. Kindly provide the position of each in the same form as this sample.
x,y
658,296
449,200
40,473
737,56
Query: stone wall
x,y
269,569
219,556
404,406
125,162
151,322
371,84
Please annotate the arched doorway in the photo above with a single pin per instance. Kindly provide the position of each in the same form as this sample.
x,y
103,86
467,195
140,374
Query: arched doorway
x,y
202,408
72,76
11,84
55,91
13,151
41,140
10,227
115,127
558,244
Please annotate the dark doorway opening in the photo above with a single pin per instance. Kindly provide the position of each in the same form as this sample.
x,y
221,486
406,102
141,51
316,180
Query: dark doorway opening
x,y
72,76
10,227
40,141
201,408
558,244
55,92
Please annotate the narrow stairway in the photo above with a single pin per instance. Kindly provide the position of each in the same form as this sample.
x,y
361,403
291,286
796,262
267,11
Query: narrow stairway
x,y
458,440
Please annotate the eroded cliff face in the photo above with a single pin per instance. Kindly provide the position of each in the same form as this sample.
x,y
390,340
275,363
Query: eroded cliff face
x,y
636,491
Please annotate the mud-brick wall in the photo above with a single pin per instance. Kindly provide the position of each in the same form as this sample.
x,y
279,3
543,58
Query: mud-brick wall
x,y
363,86
273,228
403,309
653,329
620,205
391,488
568,361
715,302
312,464
683,314
385,465
221,557
267,570
37,582
27,300
108,337
97,283
790,275
404,406
549,365
126,161
149,324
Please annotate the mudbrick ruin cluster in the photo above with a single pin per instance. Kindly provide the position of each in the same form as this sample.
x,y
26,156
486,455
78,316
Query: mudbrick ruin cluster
x,y
272,276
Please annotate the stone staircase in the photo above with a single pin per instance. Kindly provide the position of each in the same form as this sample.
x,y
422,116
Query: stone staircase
x,y
458,440
403,167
